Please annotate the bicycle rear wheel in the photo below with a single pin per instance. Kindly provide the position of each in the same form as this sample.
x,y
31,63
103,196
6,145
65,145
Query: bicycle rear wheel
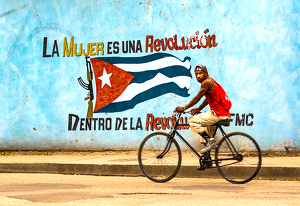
x,y
159,157
241,157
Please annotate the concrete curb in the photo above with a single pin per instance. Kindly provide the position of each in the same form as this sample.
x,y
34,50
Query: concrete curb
x,y
274,173
83,169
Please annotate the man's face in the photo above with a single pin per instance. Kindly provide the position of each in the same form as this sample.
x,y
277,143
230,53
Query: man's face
x,y
200,76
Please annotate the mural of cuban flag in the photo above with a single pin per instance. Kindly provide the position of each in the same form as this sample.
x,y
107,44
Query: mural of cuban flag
x,y
124,82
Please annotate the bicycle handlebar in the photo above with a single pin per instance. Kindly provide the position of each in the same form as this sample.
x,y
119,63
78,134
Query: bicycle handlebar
x,y
184,112
176,115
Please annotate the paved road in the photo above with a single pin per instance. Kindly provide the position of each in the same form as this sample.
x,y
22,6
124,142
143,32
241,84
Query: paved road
x,y
56,189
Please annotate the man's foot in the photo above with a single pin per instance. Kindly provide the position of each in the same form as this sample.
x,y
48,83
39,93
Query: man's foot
x,y
212,144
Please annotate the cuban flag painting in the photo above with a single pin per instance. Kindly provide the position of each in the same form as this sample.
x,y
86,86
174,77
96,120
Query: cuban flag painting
x,y
124,82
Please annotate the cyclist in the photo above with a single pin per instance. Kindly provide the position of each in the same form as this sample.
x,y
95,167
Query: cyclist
x,y
219,104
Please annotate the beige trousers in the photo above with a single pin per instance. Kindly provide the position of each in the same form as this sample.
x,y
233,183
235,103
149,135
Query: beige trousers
x,y
203,121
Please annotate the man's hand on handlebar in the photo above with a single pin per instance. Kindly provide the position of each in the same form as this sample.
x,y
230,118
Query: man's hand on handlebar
x,y
195,111
179,109
192,111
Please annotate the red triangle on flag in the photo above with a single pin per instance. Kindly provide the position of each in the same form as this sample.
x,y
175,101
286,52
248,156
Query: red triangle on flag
x,y
118,79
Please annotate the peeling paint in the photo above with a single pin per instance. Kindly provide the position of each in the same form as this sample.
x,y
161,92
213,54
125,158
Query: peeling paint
x,y
121,30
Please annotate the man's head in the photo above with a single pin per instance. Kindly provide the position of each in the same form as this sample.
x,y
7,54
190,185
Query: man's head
x,y
201,72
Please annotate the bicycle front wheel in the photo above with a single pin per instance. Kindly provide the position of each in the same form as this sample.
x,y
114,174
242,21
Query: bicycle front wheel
x,y
238,157
159,157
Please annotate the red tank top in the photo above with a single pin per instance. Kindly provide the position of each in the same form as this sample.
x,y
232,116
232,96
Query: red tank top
x,y
218,100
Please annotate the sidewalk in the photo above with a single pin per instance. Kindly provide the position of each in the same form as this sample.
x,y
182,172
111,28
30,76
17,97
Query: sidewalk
x,y
125,163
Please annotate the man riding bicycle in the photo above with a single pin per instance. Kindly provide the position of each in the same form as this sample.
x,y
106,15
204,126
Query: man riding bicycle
x,y
219,104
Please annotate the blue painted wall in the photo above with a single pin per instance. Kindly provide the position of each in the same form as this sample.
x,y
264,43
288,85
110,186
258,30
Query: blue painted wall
x,y
256,61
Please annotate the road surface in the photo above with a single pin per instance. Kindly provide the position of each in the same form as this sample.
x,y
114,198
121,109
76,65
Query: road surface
x,y
53,189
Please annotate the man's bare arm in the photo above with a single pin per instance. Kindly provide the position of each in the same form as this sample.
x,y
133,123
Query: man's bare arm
x,y
204,87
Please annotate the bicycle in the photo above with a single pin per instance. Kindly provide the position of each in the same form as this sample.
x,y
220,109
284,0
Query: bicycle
x,y
237,157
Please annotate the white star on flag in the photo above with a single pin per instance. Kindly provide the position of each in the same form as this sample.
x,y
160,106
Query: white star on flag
x,y
105,78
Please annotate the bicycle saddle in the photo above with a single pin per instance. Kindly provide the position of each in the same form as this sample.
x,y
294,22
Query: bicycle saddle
x,y
223,122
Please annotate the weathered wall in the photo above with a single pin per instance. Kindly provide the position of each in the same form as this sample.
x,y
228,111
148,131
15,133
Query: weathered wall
x,y
254,55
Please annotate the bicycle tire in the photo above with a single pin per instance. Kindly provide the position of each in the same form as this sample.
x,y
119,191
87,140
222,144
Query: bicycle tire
x,y
248,162
159,169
